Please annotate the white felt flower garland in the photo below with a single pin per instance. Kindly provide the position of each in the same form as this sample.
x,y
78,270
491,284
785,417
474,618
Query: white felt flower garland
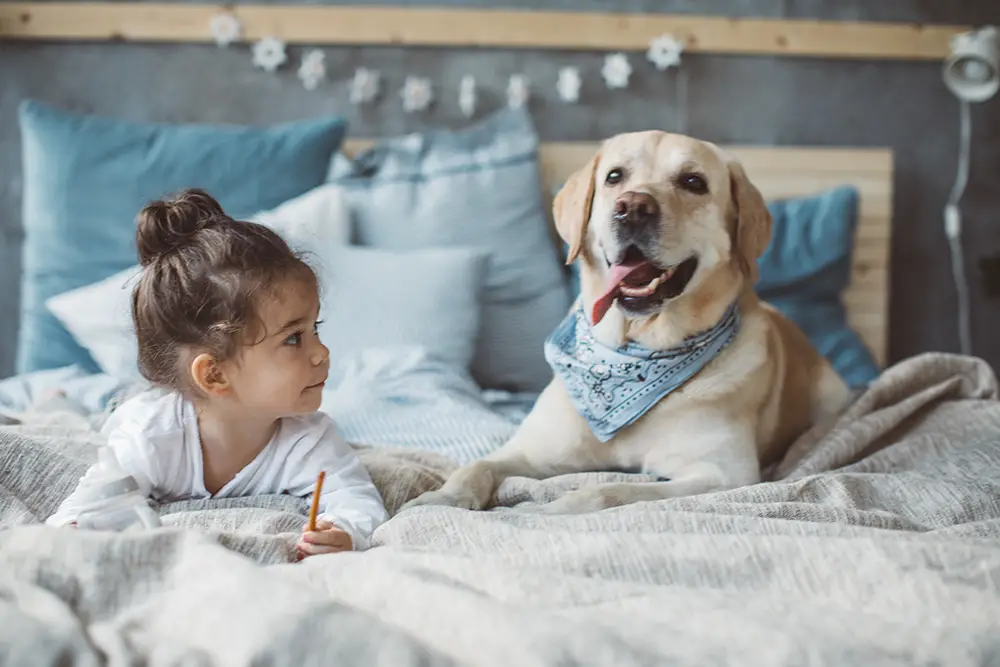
x,y
312,69
467,96
518,91
365,86
417,93
616,70
568,85
665,52
225,28
269,54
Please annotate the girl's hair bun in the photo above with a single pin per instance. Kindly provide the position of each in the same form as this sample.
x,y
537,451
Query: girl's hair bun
x,y
164,226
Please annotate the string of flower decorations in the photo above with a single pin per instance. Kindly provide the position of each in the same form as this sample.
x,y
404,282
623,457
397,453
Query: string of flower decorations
x,y
417,93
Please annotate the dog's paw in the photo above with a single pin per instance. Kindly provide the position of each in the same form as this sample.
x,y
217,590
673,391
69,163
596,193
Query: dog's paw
x,y
579,501
443,499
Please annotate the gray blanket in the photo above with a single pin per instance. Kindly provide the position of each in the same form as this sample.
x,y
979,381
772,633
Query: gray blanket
x,y
878,542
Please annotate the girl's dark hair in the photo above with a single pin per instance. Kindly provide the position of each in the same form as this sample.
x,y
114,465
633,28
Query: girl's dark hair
x,y
204,275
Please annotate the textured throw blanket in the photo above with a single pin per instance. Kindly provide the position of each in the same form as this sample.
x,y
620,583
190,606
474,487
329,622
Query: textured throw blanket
x,y
878,543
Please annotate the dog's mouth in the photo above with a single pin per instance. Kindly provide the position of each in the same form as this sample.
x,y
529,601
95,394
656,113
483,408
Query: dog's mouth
x,y
640,285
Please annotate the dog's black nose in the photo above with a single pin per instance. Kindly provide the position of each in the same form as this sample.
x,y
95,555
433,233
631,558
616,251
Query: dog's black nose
x,y
636,208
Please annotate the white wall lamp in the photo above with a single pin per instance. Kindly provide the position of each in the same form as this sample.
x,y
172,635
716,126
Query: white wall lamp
x,y
971,72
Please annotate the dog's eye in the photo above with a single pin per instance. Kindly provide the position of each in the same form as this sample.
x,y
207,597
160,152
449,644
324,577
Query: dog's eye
x,y
693,183
614,176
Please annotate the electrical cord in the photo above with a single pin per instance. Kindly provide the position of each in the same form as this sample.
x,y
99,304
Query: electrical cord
x,y
953,231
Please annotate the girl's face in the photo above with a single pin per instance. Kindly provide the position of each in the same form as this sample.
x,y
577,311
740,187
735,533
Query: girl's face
x,y
284,372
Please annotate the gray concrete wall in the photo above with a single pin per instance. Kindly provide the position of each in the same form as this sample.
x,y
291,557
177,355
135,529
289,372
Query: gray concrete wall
x,y
768,101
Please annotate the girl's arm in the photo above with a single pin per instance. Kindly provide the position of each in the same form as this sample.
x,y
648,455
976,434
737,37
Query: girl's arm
x,y
349,499
134,457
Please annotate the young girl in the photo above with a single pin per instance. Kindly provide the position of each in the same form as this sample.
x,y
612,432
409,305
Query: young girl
x,y
225,315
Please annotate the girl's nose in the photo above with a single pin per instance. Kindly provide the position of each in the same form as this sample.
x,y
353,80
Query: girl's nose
x,y
321,354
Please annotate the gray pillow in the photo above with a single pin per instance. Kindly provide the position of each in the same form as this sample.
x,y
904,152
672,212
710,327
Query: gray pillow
x,y
389,298
475,187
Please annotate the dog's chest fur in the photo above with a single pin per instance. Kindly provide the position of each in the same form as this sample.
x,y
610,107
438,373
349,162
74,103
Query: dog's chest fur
x,y
732,387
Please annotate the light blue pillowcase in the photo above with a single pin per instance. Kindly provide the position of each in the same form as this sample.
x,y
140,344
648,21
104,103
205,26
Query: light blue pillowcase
x,y
86,177
397,298
478,187
804,272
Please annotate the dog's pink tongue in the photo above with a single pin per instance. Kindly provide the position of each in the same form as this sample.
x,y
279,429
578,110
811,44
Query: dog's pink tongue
x,y
616,274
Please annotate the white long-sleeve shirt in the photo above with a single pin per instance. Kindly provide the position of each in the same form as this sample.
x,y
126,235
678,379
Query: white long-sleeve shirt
x,y
155,438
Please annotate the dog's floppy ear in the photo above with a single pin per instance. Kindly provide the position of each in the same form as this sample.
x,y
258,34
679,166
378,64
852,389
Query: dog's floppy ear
x,y
571,207
753,219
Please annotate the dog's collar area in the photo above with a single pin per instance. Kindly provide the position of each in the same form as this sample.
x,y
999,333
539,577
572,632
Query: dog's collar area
x,y
613,387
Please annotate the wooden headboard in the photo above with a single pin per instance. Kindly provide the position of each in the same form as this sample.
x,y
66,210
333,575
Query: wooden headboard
x,y
781,172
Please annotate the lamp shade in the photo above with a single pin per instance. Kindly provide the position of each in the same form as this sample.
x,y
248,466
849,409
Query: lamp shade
x,y
971,70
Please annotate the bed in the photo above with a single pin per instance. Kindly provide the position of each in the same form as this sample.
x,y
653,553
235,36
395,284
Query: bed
x,y
875,541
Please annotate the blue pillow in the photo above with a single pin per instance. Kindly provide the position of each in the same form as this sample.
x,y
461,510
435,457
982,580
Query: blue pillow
x,y
86,177
803,272
392,298
476,187
807,267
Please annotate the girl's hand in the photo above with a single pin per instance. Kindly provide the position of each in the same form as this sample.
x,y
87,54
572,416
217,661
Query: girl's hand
x,y
326,539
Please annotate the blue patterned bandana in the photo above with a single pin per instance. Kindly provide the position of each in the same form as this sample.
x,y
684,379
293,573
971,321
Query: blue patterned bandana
x,y
611,388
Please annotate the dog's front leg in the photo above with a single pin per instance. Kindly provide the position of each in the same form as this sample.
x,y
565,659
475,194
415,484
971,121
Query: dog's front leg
x,y
472,486
713,455
552,440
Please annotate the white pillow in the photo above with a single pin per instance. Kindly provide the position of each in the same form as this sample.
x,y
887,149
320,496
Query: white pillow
x,y
99,315
313,222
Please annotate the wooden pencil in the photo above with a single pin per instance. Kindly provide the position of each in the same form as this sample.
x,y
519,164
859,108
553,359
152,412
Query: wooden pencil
x,y
315,503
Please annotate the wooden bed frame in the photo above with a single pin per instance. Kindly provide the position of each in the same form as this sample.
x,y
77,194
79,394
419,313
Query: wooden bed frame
x,y
782,172
476,28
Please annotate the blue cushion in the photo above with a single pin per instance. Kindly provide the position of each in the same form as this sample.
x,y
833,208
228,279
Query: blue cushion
x,y
429,298
477,187
804,271
807,267
86,177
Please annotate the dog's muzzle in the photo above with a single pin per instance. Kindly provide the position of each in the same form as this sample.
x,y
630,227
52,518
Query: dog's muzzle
x,y
636,220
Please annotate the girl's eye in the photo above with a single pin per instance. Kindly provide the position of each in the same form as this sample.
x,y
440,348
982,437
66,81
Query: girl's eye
x,y
295,339
316,327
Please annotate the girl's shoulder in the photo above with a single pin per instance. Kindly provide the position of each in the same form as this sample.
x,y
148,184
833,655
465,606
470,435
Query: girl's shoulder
x,y
309,430
150,413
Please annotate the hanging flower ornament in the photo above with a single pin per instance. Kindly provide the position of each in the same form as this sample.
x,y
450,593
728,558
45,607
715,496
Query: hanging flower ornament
x,y
417,94
365,85
312,69
467,95
665,52
617,70
518,91
568,84
269,54
225,28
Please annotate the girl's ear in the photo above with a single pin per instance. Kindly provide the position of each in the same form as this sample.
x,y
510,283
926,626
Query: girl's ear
x,y
209,376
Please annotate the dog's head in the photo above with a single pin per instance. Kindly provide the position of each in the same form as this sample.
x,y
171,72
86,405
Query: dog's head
x,y
661,222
